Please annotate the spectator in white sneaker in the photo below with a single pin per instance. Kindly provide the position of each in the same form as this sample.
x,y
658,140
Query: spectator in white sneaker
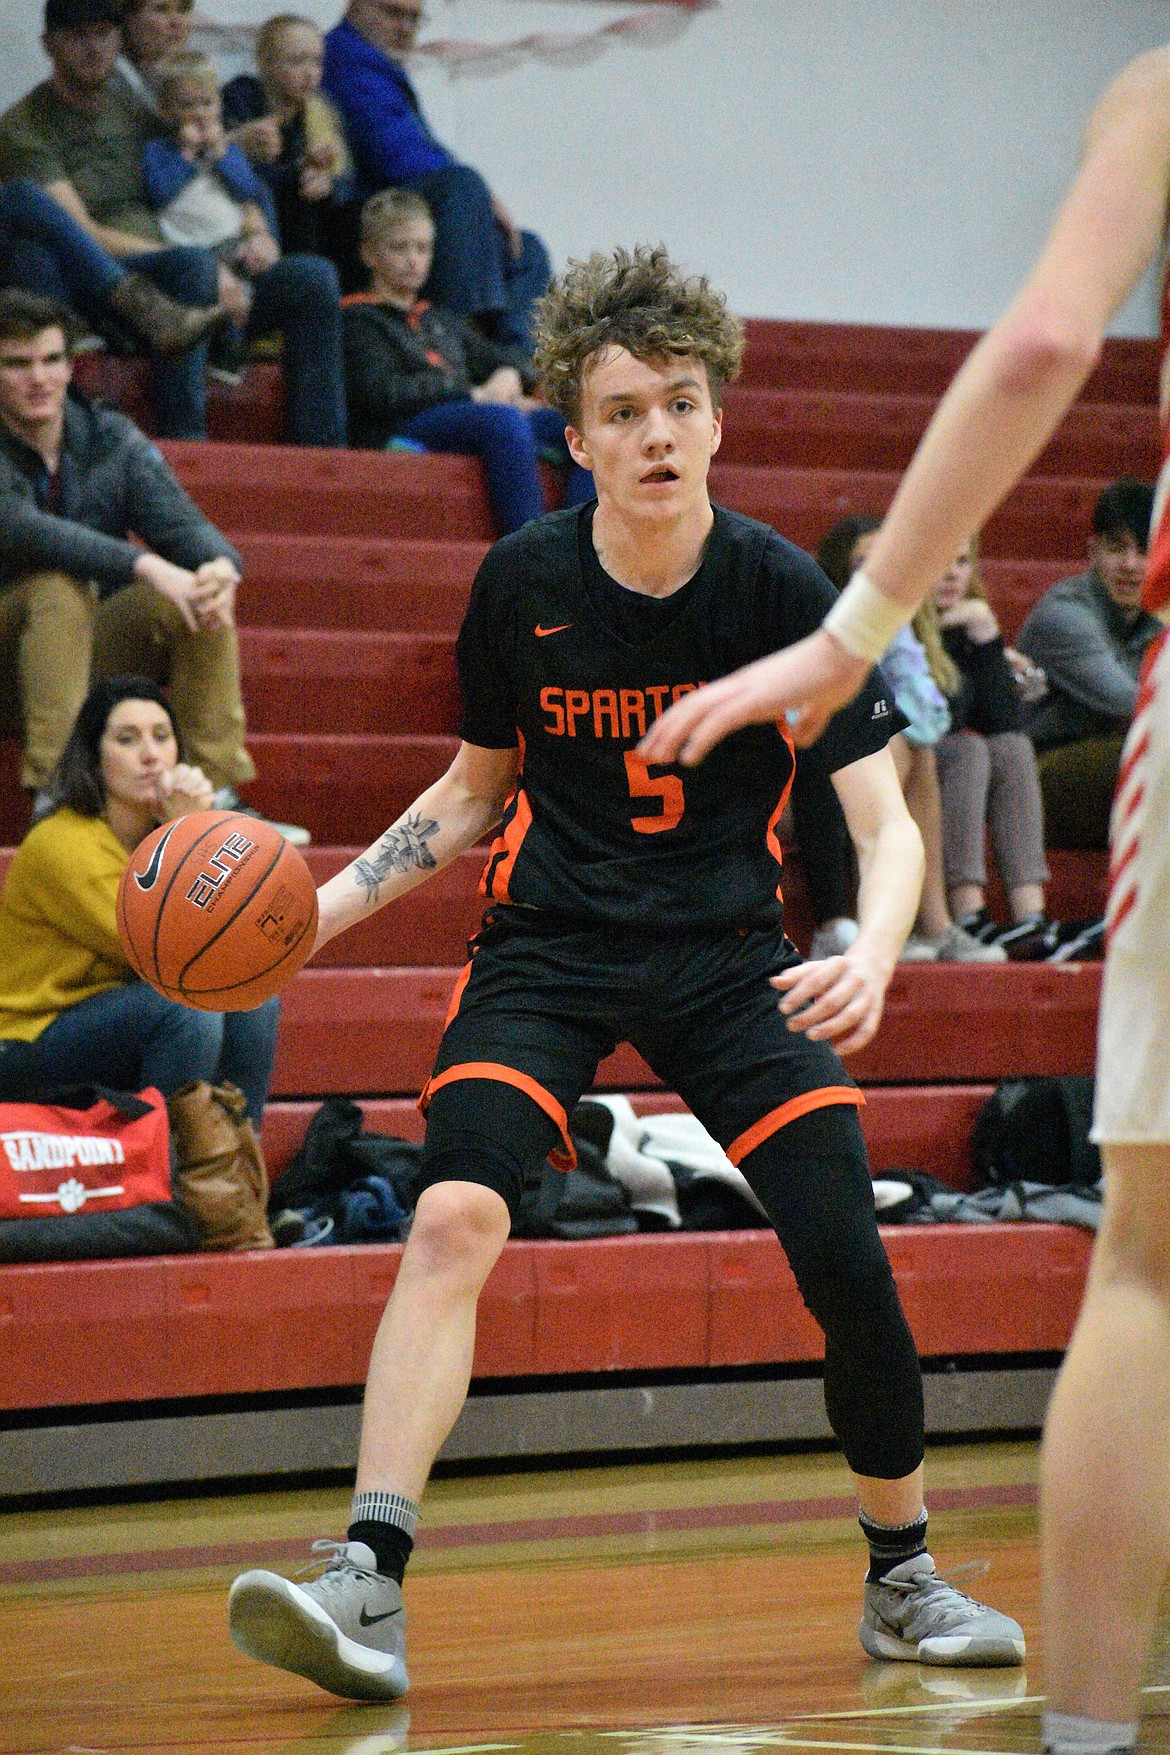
x,y
937,937
986,765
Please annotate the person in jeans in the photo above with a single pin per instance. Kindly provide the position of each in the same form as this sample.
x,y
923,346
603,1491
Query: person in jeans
x,y
72,1010
41,245
80,135
485,267
425,375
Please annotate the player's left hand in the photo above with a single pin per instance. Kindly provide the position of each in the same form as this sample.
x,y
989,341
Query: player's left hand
x,y
807,682
837,1000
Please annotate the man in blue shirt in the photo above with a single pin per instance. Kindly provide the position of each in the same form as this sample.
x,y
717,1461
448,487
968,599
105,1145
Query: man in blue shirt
x,y
484,266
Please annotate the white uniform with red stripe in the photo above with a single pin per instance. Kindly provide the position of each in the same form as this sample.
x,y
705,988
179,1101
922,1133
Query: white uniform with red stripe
x,y
1133,1040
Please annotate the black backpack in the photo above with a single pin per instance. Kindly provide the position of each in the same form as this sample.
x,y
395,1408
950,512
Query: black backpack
x,y
1037,1130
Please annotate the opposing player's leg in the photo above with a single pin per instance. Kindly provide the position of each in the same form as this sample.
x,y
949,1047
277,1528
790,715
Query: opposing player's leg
x,y
785,1111
499,1098
1105,1477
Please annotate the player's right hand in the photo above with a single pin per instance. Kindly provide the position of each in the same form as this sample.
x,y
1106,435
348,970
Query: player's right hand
x,y
806,684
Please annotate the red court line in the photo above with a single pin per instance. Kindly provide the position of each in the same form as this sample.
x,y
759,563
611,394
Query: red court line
x,y
535,1529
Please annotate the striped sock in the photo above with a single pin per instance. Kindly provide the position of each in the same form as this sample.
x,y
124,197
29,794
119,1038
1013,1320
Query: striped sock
x,y
891,1545
386,1523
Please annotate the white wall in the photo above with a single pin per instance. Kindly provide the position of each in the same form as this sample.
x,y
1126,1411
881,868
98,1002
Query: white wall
x,y
871,160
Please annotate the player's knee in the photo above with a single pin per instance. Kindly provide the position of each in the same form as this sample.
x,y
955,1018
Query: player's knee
x,y
853,1295
458,1230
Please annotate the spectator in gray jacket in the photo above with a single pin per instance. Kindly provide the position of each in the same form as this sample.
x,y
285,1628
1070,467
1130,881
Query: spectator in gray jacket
x,y
75,591
1090,634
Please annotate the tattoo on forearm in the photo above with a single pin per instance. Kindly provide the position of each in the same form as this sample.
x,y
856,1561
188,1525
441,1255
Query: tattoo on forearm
x,y
401,847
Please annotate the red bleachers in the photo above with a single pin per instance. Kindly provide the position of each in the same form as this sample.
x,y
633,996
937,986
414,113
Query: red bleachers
x,y
376,1029
920,362
811,429
166,1328
357,571
904,1125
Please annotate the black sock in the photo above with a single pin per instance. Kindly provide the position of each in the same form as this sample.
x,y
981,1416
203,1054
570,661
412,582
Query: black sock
x,y
391,1545
891,1545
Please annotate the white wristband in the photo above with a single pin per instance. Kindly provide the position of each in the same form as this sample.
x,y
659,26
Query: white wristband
x,y
864,619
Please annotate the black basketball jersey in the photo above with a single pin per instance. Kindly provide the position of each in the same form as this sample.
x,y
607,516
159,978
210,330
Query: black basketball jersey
x,y
559,659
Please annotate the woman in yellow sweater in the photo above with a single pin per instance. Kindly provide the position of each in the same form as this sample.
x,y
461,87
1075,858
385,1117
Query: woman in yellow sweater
x,y
72,1010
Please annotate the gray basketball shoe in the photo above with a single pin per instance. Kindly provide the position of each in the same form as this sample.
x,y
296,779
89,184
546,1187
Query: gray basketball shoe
x,y
346,1630
916,1616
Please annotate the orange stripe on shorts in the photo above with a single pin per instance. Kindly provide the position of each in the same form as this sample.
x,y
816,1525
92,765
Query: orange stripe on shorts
x,y
507,1075
775,1119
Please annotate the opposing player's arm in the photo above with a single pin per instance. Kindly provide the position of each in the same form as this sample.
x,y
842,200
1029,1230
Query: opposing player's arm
x,y
997,415
840,999
444,821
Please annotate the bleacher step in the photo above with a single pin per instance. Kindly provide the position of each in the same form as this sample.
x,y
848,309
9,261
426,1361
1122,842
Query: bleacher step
x,y
168,1328
376,1030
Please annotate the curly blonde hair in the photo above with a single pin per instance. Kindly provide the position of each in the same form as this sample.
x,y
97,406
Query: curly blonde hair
x,y
639,301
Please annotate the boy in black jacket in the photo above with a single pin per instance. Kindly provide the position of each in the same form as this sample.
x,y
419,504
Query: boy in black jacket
x,y
416,372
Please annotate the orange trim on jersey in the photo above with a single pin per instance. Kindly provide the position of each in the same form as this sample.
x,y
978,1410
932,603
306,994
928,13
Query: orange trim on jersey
x,y
775,1119
502,858
504,850
771,835
507,1075
461,981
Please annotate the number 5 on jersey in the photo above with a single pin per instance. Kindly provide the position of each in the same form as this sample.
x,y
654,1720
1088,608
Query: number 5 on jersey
x,y
667,787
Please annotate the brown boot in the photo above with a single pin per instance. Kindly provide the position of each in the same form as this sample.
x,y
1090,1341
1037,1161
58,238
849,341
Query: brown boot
x,y
166,327
221,1178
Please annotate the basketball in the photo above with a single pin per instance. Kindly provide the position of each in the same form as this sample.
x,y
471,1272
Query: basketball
x,y
217,910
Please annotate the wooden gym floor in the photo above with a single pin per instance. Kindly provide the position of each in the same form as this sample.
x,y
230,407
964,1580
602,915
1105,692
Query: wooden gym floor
x,y
701,1607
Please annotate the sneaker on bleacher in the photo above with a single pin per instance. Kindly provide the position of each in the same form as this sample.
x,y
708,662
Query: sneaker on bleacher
x,y
227,798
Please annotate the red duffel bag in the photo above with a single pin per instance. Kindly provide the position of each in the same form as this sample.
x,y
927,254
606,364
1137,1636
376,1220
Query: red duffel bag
x,y
56,1159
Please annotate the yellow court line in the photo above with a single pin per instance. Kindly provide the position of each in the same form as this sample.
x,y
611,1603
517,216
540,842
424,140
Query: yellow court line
x,y
465,1748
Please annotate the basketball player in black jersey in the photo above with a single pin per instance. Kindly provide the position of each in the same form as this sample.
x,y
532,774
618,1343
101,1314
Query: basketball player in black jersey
x,y
638,903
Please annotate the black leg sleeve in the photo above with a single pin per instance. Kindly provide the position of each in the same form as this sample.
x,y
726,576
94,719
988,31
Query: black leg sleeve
x,y
812,1178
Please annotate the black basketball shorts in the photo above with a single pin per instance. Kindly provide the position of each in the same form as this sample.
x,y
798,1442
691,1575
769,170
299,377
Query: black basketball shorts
x,y
542,1002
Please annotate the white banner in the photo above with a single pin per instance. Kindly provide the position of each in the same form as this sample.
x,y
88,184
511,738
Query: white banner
x,y
656,21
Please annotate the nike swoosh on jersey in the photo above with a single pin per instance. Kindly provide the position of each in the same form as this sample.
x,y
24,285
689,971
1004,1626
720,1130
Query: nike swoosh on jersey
x,y
543,633
147,879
